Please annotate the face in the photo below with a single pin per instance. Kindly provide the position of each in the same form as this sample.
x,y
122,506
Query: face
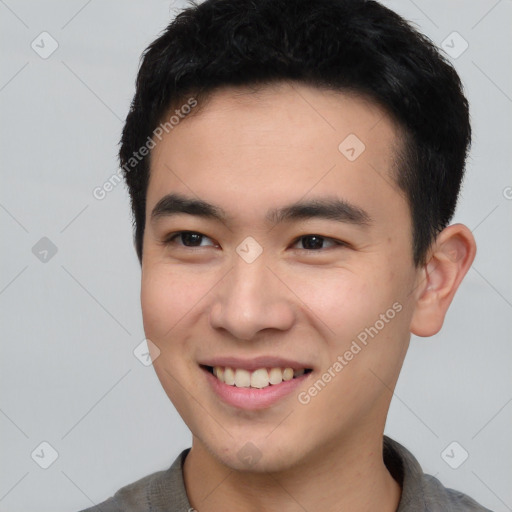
x,y
297,254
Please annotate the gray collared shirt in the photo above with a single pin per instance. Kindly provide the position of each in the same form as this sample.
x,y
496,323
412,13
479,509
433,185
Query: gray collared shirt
x,y
164,491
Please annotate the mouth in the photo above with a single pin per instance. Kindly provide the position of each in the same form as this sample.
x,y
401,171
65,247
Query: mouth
x,y
259,378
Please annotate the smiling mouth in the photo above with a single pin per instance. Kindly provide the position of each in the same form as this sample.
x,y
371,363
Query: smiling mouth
x,y
259,379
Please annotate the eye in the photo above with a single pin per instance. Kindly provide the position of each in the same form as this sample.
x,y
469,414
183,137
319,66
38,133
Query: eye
x,y
187,239
316,242
310,243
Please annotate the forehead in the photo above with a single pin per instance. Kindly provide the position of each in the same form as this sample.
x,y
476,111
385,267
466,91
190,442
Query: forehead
x,y
281,141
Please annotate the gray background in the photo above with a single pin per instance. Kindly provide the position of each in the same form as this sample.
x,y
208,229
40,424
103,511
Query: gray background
x,y
69,324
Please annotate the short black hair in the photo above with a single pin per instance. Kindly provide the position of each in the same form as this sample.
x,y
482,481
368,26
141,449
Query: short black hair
x,y
353,46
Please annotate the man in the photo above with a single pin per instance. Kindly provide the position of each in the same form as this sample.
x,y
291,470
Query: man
x,y
293,167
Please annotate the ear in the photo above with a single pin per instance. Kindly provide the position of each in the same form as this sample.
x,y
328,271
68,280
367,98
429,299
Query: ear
x,y
449,260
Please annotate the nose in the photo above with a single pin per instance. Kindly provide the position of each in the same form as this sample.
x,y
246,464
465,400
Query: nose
x,y
250,299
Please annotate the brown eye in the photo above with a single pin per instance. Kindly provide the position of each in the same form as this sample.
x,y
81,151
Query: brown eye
x,y
316,242
187,239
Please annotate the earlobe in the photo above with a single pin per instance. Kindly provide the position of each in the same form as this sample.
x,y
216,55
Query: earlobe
x,y
450,258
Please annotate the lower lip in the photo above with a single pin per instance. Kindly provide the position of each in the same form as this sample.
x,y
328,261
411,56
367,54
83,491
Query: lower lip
x,y
253,398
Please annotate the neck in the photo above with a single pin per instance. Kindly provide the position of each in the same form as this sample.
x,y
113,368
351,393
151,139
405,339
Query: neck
x,y
348,476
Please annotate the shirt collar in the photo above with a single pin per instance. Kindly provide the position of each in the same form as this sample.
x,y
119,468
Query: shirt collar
x,y
402,465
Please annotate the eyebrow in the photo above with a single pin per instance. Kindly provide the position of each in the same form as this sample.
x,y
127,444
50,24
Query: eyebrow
x,y
325,208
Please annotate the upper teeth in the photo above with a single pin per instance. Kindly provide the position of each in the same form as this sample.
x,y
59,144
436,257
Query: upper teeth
x,y
260,378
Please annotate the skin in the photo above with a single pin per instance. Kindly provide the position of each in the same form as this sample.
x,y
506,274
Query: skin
x,y
248,152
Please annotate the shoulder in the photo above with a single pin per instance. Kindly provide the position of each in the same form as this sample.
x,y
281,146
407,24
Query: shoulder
x,y
154,492
437,495
130,497
422,492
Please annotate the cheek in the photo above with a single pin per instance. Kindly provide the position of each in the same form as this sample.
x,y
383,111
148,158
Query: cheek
x,y
167,296
343,301
156,304
362,307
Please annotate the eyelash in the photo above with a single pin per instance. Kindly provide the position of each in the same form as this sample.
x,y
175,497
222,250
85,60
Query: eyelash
x,y
169,240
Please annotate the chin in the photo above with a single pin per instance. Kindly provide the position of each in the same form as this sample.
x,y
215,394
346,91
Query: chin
x,y
246,456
